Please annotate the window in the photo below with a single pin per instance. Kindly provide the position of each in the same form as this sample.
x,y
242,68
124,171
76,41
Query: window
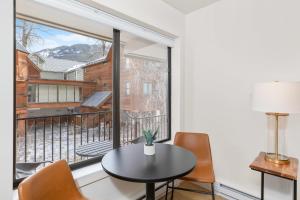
x,y
62,93
127,65
60,79
147,68
53,93
69,101
32,94
127,88
147,89
43,93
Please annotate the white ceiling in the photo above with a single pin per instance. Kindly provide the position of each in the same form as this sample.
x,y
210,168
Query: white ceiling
x,y
187,6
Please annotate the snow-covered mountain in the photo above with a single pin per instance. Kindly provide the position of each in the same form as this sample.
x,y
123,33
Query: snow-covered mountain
x,y
76,52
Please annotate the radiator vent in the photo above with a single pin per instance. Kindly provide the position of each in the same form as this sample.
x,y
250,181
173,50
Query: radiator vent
x,y
232,193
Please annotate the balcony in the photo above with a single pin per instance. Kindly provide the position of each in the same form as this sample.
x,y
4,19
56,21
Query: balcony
x,y
51,138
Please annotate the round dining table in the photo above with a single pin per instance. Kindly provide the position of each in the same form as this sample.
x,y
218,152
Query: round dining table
x,y
129,163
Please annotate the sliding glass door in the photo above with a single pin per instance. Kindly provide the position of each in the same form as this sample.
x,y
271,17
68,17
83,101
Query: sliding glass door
x,y
144,89
83,88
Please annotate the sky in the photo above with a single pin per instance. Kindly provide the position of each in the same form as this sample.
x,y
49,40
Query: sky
x,y
53,37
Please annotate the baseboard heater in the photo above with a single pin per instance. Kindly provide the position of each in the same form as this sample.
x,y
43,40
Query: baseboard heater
x,y
232,193
223,190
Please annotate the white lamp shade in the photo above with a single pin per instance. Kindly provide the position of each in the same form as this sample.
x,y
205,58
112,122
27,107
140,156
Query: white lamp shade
x,y
277,97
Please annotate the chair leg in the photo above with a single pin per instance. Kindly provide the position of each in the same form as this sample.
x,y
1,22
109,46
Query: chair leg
x,y
167,190
172,190
212,191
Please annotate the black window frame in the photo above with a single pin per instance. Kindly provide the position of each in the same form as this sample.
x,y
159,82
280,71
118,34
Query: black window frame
x,y
115,106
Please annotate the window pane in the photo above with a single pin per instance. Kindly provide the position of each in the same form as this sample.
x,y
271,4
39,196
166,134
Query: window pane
x,y
127,89
52,93
70,94
43,93
77,94
144,102
32,93
62,94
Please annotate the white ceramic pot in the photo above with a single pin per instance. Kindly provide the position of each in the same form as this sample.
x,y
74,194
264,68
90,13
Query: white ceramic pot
x,y
149,150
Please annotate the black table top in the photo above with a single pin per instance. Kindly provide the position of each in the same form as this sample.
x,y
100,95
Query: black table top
x,y
129,163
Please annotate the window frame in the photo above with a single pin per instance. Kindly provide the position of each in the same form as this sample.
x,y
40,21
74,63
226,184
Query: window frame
x,y
115,91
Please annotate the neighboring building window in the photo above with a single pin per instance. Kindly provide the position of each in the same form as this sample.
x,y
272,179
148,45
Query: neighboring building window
x,y
147,89
127,88
53,93
77,94
32,94
127,65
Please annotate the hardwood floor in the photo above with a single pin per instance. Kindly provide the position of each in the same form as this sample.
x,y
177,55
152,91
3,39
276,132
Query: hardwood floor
x,y
183,195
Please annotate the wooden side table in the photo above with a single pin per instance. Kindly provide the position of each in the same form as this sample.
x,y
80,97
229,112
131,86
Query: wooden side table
x,y
289,171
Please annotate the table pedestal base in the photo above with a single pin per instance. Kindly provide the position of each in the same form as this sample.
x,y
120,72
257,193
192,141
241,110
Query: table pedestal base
x,y
150,191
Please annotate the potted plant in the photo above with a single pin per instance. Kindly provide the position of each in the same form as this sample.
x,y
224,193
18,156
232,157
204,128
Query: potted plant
x,y
150,136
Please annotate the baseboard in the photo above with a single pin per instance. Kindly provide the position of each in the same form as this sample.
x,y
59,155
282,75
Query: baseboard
x,y
231,193
225,191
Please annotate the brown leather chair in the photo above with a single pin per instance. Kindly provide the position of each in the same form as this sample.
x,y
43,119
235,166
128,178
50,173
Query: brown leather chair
x,y
198,144
54,182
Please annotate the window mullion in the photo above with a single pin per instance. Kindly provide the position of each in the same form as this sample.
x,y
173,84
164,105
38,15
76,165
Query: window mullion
x,y
116,89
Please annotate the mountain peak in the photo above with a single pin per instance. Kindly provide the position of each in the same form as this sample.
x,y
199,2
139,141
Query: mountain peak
x,y
76,52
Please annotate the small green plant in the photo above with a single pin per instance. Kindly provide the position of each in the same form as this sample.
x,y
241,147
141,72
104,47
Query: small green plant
x,y
150,136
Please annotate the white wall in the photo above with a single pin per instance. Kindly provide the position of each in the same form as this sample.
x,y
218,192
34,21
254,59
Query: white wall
x,y
6,100
230,45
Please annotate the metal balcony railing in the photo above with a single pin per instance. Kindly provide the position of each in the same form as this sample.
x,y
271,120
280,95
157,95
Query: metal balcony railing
x,y
51,138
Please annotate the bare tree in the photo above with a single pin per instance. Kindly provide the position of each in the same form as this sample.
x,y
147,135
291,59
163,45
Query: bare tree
x,y
102,45
28,33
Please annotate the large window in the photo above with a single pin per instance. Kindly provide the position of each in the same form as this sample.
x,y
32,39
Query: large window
x,y
63,90
68,84
39,93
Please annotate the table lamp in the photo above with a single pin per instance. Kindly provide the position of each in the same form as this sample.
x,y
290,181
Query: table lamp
x,y
277,100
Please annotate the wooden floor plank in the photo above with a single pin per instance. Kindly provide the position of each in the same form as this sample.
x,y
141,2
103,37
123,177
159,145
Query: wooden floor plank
x,y
184,195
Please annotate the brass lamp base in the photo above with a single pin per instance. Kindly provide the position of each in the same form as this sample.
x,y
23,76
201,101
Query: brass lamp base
x,y
277,159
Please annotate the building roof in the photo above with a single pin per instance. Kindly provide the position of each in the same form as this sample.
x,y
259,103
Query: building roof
x,y
93,62
97,99
20,47
53,64
61,65
58,65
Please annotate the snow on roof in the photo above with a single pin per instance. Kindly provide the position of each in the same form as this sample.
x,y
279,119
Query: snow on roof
x,y
58,65
20,47
61,65
52,64
99,60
